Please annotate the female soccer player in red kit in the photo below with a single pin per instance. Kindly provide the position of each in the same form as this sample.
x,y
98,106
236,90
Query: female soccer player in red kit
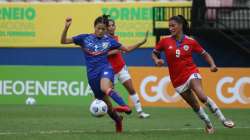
x,y
121,72
184,74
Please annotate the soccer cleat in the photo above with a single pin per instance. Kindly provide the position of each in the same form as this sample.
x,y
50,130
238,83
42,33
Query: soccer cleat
x,y
125,109
118,125
209,129
228,123
143,115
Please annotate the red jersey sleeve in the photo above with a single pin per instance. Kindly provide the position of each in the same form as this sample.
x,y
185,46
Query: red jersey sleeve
x,y
197,48
159,45
116,38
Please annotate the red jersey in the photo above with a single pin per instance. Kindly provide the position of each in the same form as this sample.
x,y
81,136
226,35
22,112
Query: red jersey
x,y
116,60
179,57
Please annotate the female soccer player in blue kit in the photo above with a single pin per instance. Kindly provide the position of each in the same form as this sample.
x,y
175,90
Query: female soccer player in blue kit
x,y
99,72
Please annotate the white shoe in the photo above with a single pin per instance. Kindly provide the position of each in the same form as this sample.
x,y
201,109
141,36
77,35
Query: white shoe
x,y
209,129
228,123
143,115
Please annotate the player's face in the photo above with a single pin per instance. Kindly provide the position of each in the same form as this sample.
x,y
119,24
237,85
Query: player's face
x,y
100,29
174,27
111,28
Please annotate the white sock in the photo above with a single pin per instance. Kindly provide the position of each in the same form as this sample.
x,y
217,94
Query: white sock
x,y
204,117
136,101
214,109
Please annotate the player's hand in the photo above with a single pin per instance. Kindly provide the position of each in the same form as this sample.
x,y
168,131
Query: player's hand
x,y
68,21
159,62
213,68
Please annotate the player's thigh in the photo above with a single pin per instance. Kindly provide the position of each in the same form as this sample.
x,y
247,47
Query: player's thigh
x,y
107,79
123,75
196,86
106,84
185,86
189,97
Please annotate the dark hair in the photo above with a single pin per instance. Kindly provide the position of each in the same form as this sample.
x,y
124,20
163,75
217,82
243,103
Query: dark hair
x,y
110,19
181,20
104,19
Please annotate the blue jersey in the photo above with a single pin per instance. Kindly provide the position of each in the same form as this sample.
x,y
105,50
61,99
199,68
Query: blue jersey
x,y
96,52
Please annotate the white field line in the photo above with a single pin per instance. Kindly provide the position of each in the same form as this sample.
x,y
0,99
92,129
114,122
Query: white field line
x,y
49,132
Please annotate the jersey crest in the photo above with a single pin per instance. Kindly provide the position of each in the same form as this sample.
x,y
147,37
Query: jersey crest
x,y
186,47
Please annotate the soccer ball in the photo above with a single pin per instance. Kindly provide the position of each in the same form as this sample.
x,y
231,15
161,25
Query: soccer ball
x,y
98,108
30,101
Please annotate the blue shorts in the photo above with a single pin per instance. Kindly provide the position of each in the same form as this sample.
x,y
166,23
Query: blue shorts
x,y
95,83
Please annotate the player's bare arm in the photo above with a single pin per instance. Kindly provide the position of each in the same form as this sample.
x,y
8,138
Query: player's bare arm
x,y
64,38
132,47
113,52
210,61
129,48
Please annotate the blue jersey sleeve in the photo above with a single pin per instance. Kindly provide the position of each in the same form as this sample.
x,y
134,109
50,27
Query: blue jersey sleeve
x,y
115,44
78,40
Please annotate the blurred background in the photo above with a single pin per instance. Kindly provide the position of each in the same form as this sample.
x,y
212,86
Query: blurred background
x,y
36,69
34,63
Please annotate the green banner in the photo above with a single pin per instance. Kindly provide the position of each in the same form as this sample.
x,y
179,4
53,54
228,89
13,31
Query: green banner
x,y
46,84
41,25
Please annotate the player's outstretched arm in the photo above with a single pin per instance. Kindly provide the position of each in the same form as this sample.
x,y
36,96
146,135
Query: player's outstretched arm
x,y
210,61
132,47
64,38
157,58
115,51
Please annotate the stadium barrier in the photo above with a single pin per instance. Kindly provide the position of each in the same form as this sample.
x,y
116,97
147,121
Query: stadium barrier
x,y
229,87
48,85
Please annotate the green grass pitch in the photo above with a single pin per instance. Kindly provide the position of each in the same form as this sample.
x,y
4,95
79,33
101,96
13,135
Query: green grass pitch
x,y
67,122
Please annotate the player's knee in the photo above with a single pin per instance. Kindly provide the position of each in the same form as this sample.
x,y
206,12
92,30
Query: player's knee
x,y
201,95
106,90
131,91
203,99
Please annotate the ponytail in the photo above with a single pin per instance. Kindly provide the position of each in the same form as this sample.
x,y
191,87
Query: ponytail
x,y
185,25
